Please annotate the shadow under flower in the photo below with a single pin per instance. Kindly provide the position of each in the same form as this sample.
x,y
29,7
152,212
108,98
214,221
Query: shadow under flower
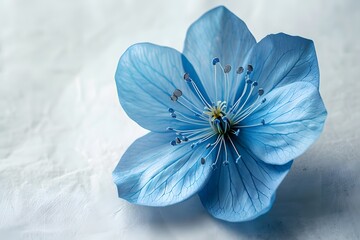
x,y
313,197
181,215
314,201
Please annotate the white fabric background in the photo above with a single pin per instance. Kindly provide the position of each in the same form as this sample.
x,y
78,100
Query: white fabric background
x,y
62,130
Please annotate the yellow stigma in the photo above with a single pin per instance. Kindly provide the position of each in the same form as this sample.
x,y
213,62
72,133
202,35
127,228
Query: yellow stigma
x,y
216,111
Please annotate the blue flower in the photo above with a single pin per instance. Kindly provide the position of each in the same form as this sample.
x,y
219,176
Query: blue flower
x,y
226,117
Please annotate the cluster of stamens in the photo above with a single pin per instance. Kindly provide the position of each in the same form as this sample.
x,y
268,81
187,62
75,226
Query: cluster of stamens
x,y
217,120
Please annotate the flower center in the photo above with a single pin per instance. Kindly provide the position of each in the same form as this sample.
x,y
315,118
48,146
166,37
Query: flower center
x,y
217,117
218,122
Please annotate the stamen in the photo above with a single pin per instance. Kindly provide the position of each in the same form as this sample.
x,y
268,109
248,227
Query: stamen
x,y
187,77
192,131
177,93
217,125
187,119
247,82
261,91
173,98
192,137
246,110
190,119
227,68
226,121
239,156
239,99
240,70
198,92
214,145
215,61
247,98
202,138
226,162
213,165
247,126
236,133
190,109
244,114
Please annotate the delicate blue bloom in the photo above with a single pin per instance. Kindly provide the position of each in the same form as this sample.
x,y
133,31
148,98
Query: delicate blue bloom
x,y
227,117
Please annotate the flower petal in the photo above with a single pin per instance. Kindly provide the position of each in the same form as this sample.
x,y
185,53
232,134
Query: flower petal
x,y
154,173
218,33
281,59
278,60
146,77
242,191
294,117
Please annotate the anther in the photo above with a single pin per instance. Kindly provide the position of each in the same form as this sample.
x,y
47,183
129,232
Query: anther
x,y
255,83
263,122
187,77
240,70
215,61
237,132
250,68
173,115
261,91
226,162
248,81
227,68
173,98
171,110
178,140
185,139
173,142
264,100
203,161
177,93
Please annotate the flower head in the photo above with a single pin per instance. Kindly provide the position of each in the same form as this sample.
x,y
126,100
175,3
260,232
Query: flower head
x,y
227,117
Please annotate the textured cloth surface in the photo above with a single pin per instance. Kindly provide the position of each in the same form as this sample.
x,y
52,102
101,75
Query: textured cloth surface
x,y
62,129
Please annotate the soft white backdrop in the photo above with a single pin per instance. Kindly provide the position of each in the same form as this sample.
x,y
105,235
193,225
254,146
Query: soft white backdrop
x,y
62,130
